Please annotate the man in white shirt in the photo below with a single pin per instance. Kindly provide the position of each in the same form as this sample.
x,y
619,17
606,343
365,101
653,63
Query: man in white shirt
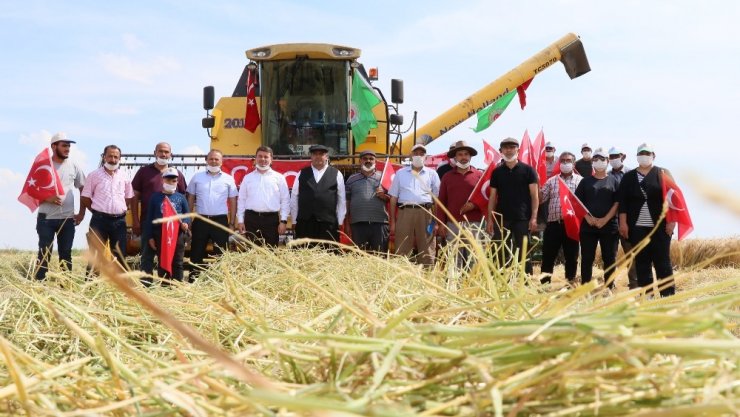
x,y
212,194
264,202
318,200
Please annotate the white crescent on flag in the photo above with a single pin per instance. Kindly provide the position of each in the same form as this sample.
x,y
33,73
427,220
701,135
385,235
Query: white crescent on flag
x,y
669,197
51,176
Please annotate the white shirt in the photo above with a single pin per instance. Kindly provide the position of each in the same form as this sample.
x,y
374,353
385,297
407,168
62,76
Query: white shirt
x,y
341,196
212,192
410,187
264,192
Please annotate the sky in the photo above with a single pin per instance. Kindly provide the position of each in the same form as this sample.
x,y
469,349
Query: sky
x,y
132,74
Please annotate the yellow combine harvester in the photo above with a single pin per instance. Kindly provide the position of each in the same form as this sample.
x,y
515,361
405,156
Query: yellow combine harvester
x,y
303,97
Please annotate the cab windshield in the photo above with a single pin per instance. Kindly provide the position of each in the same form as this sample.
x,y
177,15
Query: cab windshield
x,y
305,102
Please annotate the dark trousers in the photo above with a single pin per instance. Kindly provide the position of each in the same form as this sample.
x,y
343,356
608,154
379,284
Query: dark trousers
x,y
147,254
313,229
202,233
177,259
370,236
518,230
47,229
262,228
632,274
608,240
111,231
554,239
656,254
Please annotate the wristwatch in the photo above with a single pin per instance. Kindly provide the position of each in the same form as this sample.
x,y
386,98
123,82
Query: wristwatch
x,y
284,221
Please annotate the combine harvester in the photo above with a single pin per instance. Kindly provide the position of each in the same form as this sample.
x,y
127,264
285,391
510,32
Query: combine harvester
x,y
303,95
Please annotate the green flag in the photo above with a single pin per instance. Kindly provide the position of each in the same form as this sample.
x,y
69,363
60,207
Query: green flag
x,y
488,115
361,111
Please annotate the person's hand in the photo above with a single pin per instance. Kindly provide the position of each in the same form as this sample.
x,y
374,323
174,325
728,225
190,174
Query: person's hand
x,y
466,207
240,227
489,226
136,229
670,227
380,193
79,217
590,220
185,226
55,199
623,230
441,231
533,225
152,244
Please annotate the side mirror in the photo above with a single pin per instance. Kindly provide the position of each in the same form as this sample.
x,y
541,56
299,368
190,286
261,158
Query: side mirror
x,y
397,91
208,122
396,119
208,96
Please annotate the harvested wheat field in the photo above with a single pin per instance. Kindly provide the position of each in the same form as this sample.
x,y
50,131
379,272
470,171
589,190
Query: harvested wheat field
x,y
310,332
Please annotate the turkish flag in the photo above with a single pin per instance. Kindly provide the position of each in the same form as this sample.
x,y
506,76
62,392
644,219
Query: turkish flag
x,y
170,230
252,117
41,183
386,178
521,92
539,150
525,149
572,209
481,192
492,156
434,161
677,210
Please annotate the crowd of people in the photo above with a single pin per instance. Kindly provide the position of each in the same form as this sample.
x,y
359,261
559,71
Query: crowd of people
x,y
624,205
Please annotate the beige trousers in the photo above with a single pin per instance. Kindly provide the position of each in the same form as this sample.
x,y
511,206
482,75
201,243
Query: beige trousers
x,y
411,231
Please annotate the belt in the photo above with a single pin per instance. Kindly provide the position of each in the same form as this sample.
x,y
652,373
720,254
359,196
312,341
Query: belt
x,y
421,206
263,213
217,216
555,222
106,215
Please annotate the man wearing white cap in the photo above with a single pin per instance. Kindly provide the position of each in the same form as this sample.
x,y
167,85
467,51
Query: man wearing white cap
x,y
56,216
617,170
413,190
583,165
640,208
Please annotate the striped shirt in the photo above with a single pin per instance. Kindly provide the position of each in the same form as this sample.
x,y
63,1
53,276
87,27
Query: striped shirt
x,y
108,192
551,194
364,206
644,219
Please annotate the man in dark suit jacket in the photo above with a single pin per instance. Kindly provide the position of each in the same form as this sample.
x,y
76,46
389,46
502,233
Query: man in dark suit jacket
x,y
318,200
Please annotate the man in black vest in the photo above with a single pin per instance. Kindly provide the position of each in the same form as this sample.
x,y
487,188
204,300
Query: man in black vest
x,y
318,200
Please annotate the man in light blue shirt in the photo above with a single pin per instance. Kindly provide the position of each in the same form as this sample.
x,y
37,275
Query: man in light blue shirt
x,y
212,194
413,190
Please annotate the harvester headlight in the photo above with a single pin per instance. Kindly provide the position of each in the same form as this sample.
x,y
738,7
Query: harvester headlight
x,y
343,52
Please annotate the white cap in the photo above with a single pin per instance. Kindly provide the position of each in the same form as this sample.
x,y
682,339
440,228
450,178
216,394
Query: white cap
x,y
601,152
645,147
170,172
60,137
550,145
615,151
585,145
419,146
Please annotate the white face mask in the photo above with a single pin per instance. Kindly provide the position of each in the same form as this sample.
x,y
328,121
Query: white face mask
x,y
509,159
213,169
262,167
162,161
370,168
169,188
463,166
615,163
586,154
417,161
599,165
453,163
566,168
645,160
549,154
111,167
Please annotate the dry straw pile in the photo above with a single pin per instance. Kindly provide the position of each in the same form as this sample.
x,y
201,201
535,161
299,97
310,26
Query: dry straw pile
x,y
305,331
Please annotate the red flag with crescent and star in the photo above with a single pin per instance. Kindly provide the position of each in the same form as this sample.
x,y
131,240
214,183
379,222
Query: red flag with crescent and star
x,y
252,116
41,183
481,192
170,230
492,156
677,210
573,210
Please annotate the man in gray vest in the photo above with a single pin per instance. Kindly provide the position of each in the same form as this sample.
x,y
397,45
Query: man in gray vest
x,y
368,216
318,200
